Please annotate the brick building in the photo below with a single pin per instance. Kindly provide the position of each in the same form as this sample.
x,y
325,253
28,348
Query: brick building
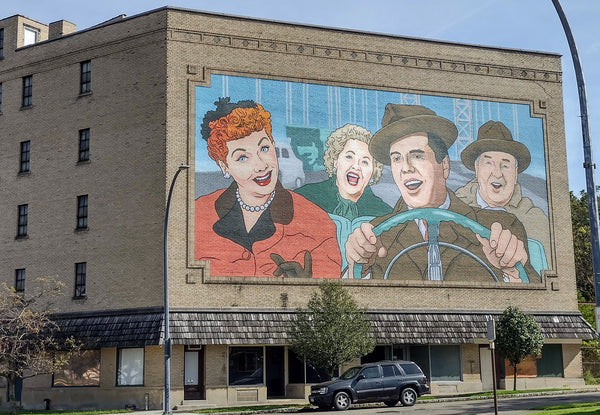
x,y
94,124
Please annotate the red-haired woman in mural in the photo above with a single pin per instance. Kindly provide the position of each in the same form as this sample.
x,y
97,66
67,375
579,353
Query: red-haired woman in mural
x,y
255,227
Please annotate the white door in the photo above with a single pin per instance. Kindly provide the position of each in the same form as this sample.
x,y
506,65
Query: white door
x,y
485,365
191,368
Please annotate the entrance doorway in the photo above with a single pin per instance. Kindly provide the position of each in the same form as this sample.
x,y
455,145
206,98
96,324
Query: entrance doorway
x,y
485,364
193,386
275,370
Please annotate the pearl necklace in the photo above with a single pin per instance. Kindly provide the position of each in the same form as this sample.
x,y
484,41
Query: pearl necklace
x,y
253,208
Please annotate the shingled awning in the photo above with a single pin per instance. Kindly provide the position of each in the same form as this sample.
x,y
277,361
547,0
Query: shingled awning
x,y
119,328
235,326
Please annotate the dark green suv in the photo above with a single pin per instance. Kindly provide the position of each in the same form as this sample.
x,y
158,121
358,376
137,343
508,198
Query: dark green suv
x,y
387,382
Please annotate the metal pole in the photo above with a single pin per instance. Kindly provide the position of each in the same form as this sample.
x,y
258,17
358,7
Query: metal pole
x,y
588,164
493,349
167,336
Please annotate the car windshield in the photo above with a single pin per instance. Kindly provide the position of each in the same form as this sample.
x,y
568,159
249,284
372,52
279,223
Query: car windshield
x,y
350,373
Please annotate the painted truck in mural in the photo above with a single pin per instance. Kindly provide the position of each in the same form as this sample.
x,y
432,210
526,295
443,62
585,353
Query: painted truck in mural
x,y
320,181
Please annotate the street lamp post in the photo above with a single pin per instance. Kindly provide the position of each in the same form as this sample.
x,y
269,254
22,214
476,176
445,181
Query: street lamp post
x,y
588,164
167,336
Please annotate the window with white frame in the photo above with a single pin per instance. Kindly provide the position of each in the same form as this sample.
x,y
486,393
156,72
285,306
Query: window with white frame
x,y
30,35
130,370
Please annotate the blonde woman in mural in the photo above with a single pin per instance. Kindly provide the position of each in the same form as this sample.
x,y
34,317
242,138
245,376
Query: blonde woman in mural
x,y
255,227
347,195
351,169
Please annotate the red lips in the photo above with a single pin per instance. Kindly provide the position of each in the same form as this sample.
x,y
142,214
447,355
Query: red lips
x,y
263,180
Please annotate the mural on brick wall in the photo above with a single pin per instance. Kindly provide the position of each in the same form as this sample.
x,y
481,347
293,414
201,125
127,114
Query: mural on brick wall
x,y
320,181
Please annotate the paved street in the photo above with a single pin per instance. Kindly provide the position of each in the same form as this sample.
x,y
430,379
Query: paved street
x,y
512,406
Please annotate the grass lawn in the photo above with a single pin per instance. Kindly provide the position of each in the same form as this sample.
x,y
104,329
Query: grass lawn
x,y
584,408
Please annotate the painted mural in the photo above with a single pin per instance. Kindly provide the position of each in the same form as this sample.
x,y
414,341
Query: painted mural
x,y
320,181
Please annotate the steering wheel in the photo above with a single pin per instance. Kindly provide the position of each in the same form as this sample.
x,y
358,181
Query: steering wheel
x,y
434,216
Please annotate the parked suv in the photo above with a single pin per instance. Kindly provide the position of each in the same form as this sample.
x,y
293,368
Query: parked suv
x,y
387,382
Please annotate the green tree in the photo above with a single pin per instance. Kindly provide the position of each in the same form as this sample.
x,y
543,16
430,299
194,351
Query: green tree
x,y
30,342
332,330
582,246
518,335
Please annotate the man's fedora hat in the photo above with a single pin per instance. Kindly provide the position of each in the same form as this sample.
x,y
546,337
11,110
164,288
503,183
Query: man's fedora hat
x,y
494,136
400,120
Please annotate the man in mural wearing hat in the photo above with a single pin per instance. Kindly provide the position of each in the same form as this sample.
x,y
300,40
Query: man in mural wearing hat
x,y
414,142
497,159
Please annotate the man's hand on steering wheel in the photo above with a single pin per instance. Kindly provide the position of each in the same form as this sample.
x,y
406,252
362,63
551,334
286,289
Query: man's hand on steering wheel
x,y
503,250
363,247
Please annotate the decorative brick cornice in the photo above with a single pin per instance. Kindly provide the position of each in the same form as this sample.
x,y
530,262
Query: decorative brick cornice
x,y
356,55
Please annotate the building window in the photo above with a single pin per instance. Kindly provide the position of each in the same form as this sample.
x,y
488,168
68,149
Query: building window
x,y
439,363
551,361
298,367
20,280
30,35
80,273
82,212
445,363
1,43
82,369
22,223
84,145
245,366
85,79
130,370
27,90
25,156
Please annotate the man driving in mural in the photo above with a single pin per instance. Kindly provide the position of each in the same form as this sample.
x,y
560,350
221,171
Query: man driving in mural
x,y
414,142
497,160
255,227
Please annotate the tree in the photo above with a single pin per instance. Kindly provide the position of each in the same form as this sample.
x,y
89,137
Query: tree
x,y
30,342
332,330
518,335
582,245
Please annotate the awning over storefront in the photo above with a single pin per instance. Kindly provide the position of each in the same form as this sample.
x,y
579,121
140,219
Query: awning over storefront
x,y
119,328
237,326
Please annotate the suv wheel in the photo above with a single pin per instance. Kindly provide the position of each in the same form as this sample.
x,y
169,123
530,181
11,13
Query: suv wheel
x,y
341,401
408,397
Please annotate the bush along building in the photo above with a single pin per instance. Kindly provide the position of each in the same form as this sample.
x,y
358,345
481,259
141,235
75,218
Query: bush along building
x,y
294,136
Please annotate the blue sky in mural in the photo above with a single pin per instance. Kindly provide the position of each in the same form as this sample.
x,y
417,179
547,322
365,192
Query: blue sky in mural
x,y
327,107
520,24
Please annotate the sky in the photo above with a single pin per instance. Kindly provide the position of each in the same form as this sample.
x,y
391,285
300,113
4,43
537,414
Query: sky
x,y
520,24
